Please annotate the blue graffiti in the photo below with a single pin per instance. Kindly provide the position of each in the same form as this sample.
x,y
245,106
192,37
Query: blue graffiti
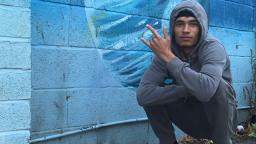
x,y
119,34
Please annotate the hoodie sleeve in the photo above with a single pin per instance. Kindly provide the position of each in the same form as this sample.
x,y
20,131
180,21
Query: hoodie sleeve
x,y
152,91
202,84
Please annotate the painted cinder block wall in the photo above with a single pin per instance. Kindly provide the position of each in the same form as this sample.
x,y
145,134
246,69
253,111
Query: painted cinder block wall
x,y
87,61
233,23
15,71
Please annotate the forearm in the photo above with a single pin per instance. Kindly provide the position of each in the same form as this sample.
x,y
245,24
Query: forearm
x,y
149,94
202,84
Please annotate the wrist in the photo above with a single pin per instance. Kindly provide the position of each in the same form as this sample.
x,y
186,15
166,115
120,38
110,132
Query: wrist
x,y
169,58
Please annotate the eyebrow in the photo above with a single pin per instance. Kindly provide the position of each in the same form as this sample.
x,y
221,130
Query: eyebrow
x,y
185,21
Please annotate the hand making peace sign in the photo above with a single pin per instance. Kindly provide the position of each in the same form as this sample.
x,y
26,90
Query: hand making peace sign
x,y
161,46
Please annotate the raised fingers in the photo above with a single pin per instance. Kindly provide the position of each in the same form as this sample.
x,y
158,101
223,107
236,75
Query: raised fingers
x,y
145,41
166,35
154,31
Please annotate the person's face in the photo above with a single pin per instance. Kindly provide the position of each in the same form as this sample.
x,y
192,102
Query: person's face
x,y
186,31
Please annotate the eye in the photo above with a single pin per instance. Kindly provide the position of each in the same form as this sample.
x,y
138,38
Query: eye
x,y
194,24
179,24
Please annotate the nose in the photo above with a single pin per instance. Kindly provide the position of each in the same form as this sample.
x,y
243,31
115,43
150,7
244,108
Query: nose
x,y
186,28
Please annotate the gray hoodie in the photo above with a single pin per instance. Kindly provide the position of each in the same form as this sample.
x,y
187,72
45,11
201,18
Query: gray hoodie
x,y
198,76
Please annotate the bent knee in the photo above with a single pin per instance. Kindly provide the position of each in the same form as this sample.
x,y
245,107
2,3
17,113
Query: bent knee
x,y
224,91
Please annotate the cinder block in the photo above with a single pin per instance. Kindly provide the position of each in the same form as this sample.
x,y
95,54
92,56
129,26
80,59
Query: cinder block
x,y
135,133
246,17
15,85
15,115
80,138
244,74
15,55
161,10
82,32
15,137
244,93
59,1
206,5
238,16
90,137
49,23
83,3
54,67
254,3
93,106
254,19
248,2
245,2
232,15
128,67
48,110
19,3
236,1
217,13
237,43
14,22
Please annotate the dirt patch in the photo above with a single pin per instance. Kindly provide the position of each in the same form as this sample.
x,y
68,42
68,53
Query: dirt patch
x,y
191,140
246,134
244,140
236,140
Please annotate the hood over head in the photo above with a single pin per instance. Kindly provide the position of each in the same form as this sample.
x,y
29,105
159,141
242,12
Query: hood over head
x,y
198,12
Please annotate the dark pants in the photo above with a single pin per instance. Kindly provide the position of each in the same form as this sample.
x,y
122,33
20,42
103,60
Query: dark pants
x,y
215,119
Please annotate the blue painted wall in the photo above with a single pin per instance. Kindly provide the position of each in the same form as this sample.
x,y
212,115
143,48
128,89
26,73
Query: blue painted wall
x,y
15,71
233,23
87,61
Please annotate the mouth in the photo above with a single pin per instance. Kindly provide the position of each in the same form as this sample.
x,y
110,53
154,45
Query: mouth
x,y
186,38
